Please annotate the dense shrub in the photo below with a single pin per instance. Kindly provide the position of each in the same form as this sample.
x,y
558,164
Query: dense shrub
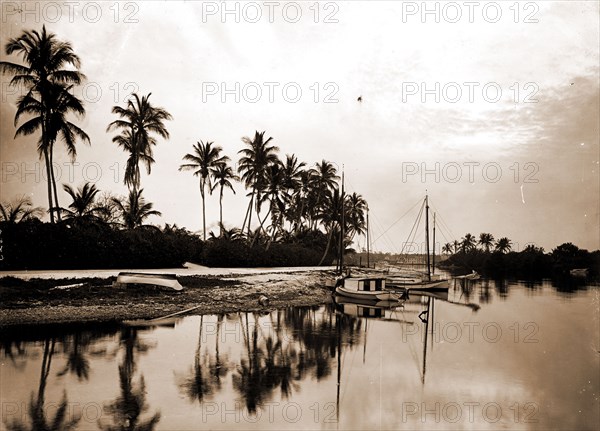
x,y
36,245
529,263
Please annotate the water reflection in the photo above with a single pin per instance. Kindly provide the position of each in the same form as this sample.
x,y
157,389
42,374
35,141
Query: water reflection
x,y
128,407
368,363
38,415
205,376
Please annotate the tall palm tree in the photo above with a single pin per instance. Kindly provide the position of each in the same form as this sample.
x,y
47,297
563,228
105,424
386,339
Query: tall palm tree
x,y
135,210
52,67
204,159
486,240
467,243
356,206
19,210
139,119
275,193
252,166
83,206
323,179
223,174
330,216
503,245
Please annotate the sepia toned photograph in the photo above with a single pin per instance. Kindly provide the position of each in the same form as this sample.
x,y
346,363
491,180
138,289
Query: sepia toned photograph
x,y
299,215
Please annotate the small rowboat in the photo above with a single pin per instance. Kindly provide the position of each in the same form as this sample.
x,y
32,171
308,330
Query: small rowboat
x,y
165,280
366,288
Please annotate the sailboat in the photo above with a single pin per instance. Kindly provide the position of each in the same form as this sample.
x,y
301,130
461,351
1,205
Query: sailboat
x,y
429,282
365,288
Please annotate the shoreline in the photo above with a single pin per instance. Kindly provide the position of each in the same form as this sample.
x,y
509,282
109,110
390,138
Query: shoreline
x,y
33,301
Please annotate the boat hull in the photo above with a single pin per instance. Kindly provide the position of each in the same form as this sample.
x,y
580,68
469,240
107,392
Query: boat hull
x,y
433,286
377,295
165,280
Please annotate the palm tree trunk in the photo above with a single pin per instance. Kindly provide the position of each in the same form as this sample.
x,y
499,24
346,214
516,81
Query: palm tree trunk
x,y
260,227
248,212
326,248
221,211
49,182
203,210
57,205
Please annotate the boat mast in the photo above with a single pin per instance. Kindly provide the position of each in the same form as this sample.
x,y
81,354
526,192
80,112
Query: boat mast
x,y
341,259
427,237
368,250
433,252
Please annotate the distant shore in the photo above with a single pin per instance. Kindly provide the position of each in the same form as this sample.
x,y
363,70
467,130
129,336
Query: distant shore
x,y
31,298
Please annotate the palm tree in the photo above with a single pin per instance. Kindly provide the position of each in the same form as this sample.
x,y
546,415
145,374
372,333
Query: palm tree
x,y
83,206
138,120
274,193
50,72
20,210
447,248
467,243
323,179
330,215
355,218
222,174
486,240
135,210
503,245
204,159
252,166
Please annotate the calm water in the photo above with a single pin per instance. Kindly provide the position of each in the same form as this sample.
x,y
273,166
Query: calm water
x,y
528,358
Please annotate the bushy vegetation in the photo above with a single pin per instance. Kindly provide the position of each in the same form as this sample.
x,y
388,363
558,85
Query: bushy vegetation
x,y
532,262
32,244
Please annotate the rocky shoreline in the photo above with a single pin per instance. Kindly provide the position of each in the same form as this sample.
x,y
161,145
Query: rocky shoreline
x,y
38,301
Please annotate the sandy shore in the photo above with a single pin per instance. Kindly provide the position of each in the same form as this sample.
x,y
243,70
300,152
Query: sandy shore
x,y
32,299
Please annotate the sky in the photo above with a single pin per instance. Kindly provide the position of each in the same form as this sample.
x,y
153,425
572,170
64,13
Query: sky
x,y
490,108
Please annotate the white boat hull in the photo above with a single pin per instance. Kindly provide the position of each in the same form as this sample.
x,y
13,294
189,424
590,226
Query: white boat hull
x,y
165,280
375,295
433,286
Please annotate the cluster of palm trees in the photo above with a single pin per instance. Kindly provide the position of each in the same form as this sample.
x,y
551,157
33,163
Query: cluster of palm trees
x,y
279,191
470,243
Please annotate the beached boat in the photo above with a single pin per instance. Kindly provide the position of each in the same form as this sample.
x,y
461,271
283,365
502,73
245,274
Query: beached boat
x,y
165,280
366,288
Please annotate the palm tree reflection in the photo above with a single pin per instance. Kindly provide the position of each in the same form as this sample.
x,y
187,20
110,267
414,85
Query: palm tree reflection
x,y
127,409
280,359
62,421
205,376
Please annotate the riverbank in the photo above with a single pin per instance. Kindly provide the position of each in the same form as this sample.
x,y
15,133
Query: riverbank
x,y
37,300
